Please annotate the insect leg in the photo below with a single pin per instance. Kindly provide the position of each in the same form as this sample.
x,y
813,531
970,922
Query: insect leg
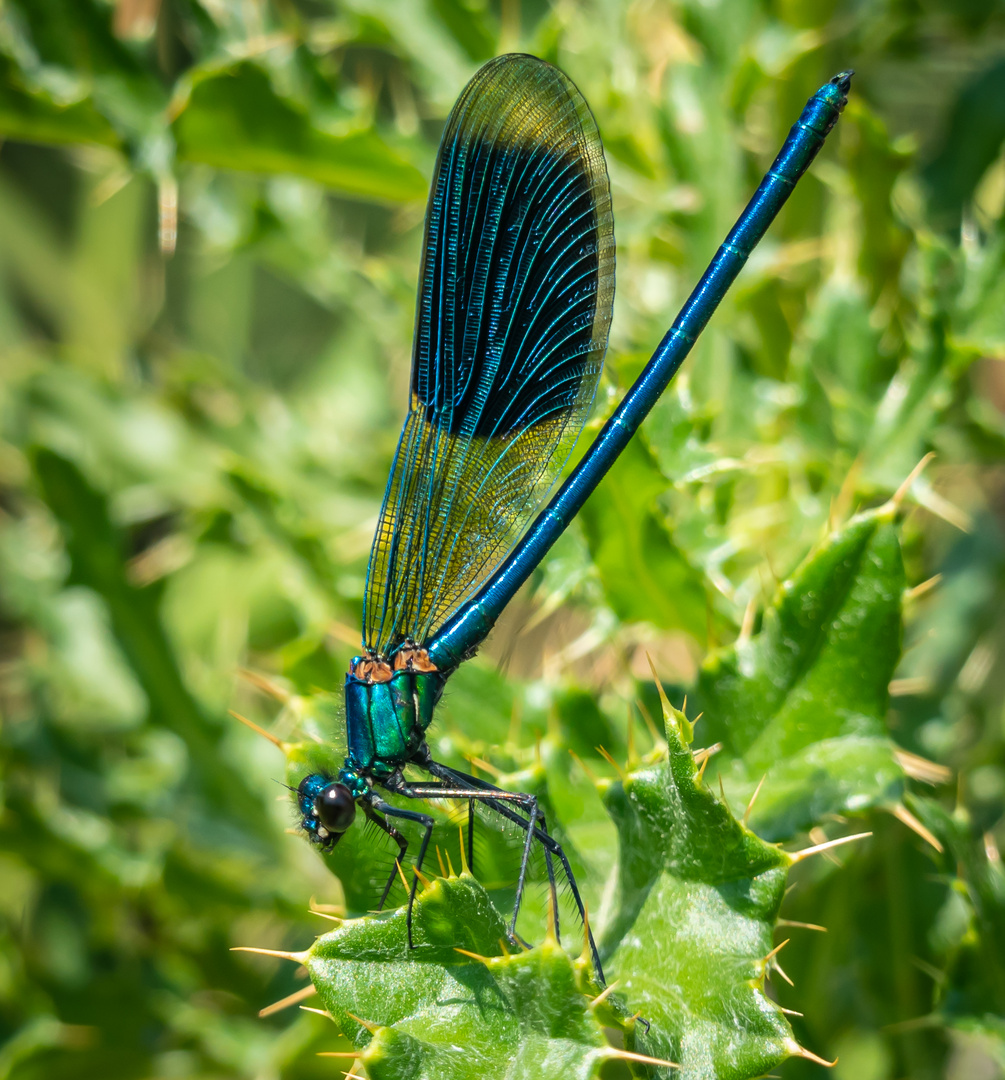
x,y
427,823
495,798
399,858
445,772
525,858
547,841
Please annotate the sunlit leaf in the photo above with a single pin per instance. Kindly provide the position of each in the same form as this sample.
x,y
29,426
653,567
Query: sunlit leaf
x,y
434,1013
698,896
803,702
234,118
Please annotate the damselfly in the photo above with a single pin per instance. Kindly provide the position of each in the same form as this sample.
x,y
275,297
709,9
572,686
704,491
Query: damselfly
x,y
515,295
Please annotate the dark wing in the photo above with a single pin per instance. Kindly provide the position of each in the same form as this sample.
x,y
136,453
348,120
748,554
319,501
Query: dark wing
x,y
515,297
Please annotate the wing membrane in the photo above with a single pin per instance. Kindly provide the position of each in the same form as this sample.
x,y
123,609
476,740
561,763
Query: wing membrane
x,y
514,306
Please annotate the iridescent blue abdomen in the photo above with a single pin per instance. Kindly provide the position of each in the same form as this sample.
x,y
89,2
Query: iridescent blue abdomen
x,y
387,710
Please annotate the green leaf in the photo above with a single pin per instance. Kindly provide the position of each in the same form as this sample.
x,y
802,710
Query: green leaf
x,y
975,990
804,701
37,116
96,550
75,35
433,1013
473,30
234,118
975,131
698,897
67,78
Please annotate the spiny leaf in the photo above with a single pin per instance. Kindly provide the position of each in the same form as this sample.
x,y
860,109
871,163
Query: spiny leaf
x,y
804,701
698,898
456,1006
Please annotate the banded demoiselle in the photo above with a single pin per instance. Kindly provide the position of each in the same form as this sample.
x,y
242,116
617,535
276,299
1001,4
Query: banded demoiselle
x,y
515,295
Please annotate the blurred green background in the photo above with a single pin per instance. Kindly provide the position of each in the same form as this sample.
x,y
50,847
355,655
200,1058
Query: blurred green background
x,y
210,221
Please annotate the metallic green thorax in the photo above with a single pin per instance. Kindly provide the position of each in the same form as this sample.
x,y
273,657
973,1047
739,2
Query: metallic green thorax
x,y
385,721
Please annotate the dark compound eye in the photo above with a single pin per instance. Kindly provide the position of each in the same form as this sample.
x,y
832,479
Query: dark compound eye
x,y
335,808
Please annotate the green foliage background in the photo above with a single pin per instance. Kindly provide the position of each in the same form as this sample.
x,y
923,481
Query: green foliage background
x,y
193,450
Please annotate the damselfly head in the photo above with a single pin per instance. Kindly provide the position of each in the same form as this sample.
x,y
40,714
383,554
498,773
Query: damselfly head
x,y
328,808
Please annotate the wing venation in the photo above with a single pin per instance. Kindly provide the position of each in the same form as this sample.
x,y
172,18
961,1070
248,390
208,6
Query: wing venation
x,y
515,294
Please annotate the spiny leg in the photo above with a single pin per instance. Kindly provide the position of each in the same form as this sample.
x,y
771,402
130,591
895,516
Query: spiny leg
x,y
495,798
536,825
444,772
399,858
547,841
444,791
527,803
427,823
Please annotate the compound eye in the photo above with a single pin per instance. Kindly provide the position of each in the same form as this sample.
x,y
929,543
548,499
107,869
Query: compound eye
x,y
336,808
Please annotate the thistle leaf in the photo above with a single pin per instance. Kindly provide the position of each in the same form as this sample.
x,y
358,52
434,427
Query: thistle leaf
x,y
698,897
456,1006
804,701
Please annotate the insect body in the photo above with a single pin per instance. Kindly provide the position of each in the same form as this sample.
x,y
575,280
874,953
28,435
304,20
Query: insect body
x,y
515,295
